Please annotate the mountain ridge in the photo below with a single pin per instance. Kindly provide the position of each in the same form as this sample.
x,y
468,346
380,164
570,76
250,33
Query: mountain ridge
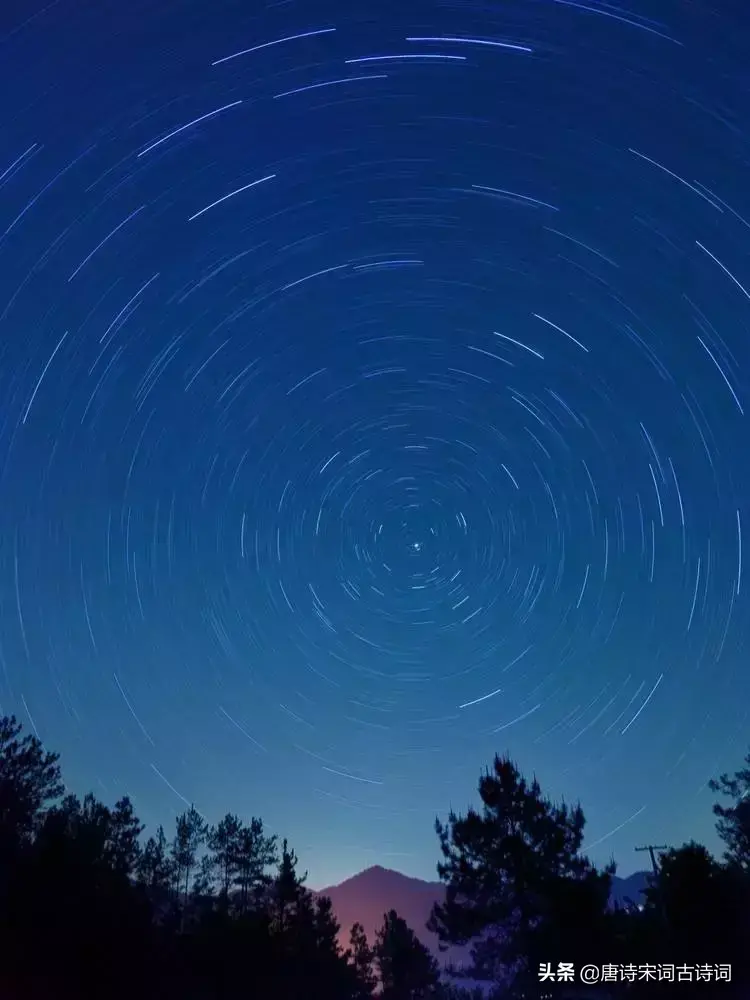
x,y
379,870
364,898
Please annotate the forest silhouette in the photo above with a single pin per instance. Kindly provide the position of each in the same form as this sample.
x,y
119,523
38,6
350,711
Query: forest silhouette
x,y
89,908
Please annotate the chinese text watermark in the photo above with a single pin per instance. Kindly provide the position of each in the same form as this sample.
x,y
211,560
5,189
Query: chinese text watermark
x,y
566,972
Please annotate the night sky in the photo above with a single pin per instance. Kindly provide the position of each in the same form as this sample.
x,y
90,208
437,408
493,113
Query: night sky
x,y
375,398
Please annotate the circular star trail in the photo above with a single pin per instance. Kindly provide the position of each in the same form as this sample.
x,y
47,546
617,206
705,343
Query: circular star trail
x,y
375,398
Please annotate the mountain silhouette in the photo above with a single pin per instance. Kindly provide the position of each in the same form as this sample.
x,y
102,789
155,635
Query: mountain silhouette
x,y
367,896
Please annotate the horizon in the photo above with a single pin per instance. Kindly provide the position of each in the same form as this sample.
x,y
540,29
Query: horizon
x,y
394,871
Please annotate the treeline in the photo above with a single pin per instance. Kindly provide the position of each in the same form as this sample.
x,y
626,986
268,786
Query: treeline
x,y
519,887
89,908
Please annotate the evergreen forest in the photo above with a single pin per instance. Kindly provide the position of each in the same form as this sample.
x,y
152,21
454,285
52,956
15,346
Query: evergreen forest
x,y
93,905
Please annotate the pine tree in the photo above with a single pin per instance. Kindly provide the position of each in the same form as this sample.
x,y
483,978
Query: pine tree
x,y
288,889
29,781
698,907
155,865
331,967
78,925
406,968
224,841
256,854
204,883
189,837
514,872
80,828
733,824
123,847
361,958
327,926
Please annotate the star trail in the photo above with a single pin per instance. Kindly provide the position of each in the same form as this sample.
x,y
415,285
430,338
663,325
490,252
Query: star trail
x,y
375,399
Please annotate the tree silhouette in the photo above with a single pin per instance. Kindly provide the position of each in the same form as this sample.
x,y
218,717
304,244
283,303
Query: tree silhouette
x,y
123,848
328,963
327,926
733,824
204,882
256,854
514,875
80,828
407,970
698,907
86,911
687,894
288,889
189,837
155,869
224,843
75,904
29,780
361,957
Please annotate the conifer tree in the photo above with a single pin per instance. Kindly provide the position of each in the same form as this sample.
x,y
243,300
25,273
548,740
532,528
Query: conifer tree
x,y
190,835
406,968
30,781
733,824
361,958
331,967
84,827
123,849
513,872
257,853
156,866
224,842
288,888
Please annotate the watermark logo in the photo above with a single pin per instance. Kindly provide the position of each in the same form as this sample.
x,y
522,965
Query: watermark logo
x,y
566,972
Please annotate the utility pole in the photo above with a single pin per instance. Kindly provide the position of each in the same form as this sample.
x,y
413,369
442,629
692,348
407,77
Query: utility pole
x,y
651,848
